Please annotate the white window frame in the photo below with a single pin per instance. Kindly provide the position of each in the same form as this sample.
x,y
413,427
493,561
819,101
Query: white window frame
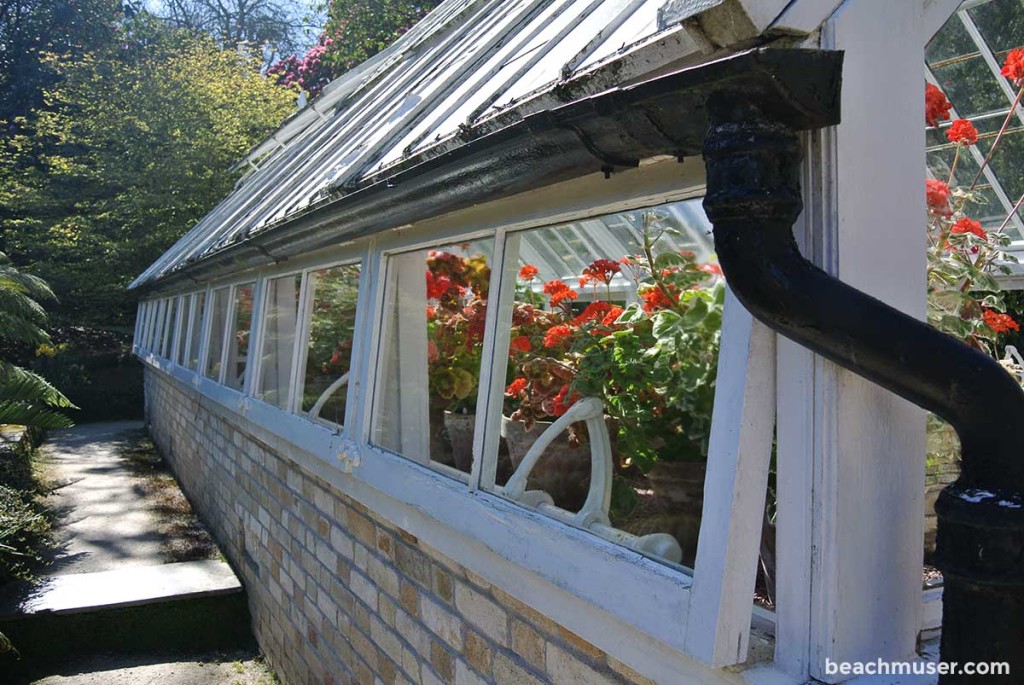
x,y
193,303
161,317
183,309
302,345
259,333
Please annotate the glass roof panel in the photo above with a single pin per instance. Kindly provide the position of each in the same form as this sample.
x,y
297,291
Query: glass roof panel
x,y
564,251
1001,24
964,60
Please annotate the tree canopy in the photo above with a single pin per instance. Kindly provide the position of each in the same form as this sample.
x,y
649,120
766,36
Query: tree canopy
x,y
130,148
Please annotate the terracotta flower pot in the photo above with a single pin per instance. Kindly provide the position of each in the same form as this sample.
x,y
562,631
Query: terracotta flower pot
x,y
563,471
460,436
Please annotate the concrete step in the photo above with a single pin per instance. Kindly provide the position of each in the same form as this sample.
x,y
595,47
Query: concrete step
x,y
188,606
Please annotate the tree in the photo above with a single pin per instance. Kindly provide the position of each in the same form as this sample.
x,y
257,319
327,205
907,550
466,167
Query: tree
x,y
31,28
356,30
126,155
26,399
269,27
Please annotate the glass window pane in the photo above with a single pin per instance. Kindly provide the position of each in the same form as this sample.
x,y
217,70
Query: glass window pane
x,y
215,342
168,335
197,331
1001,23
435,306
950,42
144,329
628,346
238,352
279,325
182,333
156,323
970,85
332,321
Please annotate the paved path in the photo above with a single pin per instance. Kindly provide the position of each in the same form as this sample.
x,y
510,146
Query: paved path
x,y
106,521
106,524
237,669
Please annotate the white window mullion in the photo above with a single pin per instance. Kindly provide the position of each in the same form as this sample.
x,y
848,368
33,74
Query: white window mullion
x,y
301,342
257,329
494,360
369,308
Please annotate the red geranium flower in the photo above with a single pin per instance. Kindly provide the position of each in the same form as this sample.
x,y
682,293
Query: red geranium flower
x,y
936,106
1013,66
966,225
1000,323
602,270
595,311
528,272
654,299
437,286
713,269
520,344
556,335
562,401
937,194
613,314
963,132
515,387
559,291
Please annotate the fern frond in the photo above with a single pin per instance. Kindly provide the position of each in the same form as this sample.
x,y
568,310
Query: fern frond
x,y
32,415
20,385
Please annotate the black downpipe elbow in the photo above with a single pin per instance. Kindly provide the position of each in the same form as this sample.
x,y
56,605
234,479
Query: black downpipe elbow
x,y
753,198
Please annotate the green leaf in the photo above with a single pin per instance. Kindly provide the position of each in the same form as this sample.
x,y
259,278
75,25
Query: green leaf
x,y
696,314
33,415
20,385
666,322
666,260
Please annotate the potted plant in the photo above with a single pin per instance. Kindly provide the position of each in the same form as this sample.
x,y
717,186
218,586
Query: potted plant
x,y
457,306
652,363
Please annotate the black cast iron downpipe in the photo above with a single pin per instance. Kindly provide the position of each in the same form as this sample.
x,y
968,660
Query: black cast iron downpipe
x,y
753,198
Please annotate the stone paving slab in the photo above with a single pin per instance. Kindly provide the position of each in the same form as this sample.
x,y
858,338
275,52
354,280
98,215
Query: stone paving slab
x,y
131,586
213,669
106,521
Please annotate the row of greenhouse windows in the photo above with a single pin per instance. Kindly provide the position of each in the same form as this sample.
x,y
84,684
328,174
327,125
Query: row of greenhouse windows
x,y
613,323
316,305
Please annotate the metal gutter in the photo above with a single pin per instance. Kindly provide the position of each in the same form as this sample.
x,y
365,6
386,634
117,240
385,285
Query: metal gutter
x,y
614,129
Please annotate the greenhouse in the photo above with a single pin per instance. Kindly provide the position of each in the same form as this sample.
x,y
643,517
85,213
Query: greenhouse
x,y
500,363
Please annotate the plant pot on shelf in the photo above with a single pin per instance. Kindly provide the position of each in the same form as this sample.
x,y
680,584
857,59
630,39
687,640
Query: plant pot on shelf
x,y
460,436
678,490
563,471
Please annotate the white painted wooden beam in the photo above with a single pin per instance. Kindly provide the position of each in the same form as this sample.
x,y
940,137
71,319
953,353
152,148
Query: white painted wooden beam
x,y
718,625
868,512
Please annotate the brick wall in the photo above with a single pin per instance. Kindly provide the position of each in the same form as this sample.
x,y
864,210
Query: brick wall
x,y
339,595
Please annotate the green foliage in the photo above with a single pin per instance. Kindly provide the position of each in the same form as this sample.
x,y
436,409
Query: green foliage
x,y
130,150
31,28
356,31
359,29
22,529
24,523
26,399
657,377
